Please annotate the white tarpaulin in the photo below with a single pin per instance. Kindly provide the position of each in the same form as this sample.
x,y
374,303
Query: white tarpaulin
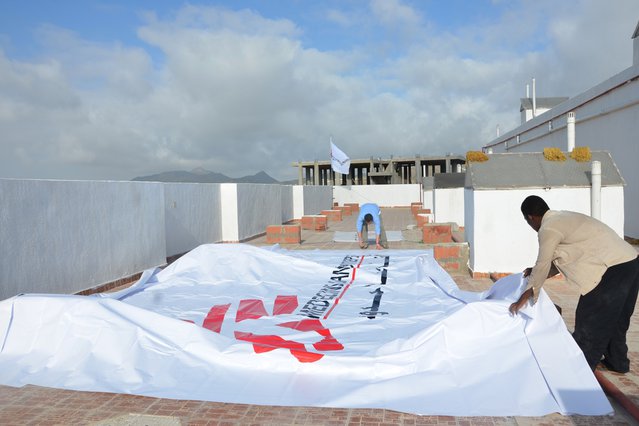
x,y
236,323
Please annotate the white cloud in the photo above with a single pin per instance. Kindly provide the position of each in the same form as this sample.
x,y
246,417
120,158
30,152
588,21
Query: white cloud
x,y
235,92
394,13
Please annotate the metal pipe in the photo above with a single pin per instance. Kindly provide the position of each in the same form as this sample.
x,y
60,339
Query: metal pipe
x,y
595,191
534,99
570,130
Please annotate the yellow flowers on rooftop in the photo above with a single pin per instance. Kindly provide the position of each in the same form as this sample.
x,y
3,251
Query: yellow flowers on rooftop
x,y
476,156
581,154
554,154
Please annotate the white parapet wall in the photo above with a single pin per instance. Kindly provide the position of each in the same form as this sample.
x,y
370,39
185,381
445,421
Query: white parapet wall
x,y
68,236
427,199
500,239
382,195
311,199
192,212
448,205
247,209
287,203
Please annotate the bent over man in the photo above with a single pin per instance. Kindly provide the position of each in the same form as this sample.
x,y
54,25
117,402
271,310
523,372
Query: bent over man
x,y
604,267
368,213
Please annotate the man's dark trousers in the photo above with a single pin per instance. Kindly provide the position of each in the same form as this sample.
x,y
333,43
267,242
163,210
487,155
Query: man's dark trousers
x,y
603,317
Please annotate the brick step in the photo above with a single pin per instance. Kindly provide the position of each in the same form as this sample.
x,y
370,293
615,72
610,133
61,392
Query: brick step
x,y
459,236
287,234
452,256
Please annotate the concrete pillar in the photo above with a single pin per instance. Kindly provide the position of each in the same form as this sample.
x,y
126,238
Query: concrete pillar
x,y
595,190
418,170
316,173
300,177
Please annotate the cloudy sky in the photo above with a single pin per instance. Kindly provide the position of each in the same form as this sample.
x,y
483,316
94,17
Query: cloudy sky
x,y
114,89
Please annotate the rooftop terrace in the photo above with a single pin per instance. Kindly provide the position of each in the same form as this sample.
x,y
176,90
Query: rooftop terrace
x,y
36,405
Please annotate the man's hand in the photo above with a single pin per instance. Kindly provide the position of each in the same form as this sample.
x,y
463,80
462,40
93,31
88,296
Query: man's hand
x,y
527,272
378,246
360,240
523,299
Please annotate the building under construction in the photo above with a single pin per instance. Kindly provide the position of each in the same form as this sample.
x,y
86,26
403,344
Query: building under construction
x,y
378,171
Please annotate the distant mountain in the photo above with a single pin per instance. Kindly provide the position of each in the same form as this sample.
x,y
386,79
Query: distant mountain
x,y
260,177
200,175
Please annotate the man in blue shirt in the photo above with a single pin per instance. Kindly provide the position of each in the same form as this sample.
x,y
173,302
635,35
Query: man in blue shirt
x,y
368,213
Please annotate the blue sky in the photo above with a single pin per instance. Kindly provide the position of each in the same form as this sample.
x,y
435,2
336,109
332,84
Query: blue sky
x,y
119,89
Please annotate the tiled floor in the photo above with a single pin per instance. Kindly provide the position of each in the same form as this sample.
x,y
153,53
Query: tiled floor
x,y
32,405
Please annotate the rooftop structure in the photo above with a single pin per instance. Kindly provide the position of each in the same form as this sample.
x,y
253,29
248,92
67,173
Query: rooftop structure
x,y
378,171
603,117
531,108
532,170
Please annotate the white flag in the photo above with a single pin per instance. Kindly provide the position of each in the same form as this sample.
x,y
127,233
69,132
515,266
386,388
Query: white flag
x,y
339,161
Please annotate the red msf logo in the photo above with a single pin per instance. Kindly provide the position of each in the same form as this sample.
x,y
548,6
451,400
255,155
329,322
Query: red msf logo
x,y
251,309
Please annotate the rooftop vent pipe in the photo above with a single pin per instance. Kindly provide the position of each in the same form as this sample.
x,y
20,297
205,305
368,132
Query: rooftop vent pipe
x,y
595,190
570,130
534,99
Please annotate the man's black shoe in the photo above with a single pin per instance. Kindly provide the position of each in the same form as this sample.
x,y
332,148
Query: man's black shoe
x,y
609,367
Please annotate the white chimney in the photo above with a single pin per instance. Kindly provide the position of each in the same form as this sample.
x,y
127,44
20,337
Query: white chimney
x,y
570,130
534,99
595,190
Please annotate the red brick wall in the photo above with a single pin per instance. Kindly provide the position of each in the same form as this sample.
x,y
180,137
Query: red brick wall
x,y
422,219
333,215
354,207
288,234
314,222
435,233
453,257
346,210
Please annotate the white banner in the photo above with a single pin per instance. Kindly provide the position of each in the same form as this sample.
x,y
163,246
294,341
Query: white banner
x,y
238,323
339,160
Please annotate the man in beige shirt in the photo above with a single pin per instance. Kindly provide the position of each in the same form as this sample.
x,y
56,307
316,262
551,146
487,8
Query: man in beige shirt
x,y
604,267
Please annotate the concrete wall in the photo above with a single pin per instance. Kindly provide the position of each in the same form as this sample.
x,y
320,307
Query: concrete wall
x,y
448,205
286,199
499,238
316,199
606,118
192,216
298,201
247,209
259,206
427,200
67,236
382,195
